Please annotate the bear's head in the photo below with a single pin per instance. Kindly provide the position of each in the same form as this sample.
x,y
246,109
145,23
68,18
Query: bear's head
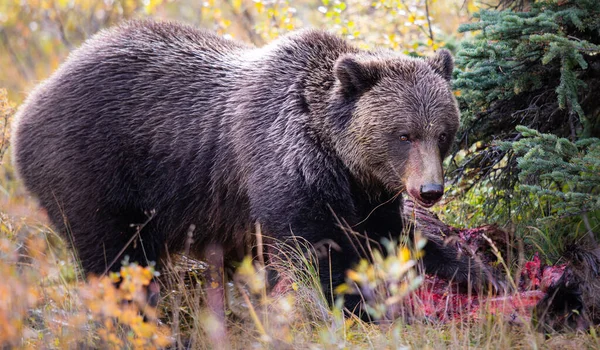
x,y
400,120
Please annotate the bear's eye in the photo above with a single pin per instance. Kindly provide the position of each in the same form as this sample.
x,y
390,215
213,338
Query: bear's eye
x,y
404,138
443,138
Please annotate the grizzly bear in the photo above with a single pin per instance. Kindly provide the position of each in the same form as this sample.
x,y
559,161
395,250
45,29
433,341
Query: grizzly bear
x,y
160,126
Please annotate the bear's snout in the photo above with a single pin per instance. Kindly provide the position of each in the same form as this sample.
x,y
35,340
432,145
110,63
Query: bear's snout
x,y
427,195
432,192
424,177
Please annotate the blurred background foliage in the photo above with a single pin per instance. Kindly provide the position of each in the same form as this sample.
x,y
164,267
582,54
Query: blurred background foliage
x,y
36,35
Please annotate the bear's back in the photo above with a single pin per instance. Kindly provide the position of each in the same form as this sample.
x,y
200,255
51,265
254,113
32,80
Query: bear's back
x,y
123,118
163,117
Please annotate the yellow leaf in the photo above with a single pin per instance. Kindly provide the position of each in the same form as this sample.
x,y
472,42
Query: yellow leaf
x,y
342,288
349,322
259,7
472,7
404,254
354,276
237,4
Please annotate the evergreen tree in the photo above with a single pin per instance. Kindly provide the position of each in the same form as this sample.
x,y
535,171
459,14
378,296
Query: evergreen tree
x,y
539,68
567,173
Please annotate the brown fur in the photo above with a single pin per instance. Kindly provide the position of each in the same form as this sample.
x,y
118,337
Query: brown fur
x,y
573,302
166,119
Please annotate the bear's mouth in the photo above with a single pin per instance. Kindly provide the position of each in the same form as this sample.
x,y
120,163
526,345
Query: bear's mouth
x,y
424,203
421,201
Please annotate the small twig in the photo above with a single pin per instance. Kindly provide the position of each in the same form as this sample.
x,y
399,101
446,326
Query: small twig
x,y
428,20
61,31
586,222
573,135
23,70
247,23
6,112
253,313
261,259
177,301
133,237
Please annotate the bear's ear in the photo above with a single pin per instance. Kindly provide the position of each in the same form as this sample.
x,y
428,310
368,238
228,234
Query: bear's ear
x,y
355,77
442,63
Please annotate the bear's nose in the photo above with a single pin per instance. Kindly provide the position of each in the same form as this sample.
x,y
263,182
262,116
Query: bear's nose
x,y
432,192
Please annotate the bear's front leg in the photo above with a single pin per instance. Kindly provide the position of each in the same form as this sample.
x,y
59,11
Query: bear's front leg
x,y
290,221
328,246
446,261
